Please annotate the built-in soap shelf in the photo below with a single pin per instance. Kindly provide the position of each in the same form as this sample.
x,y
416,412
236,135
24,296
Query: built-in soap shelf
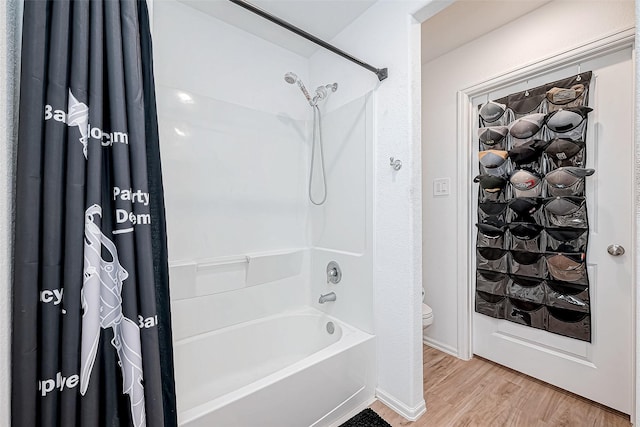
x,y
214,263
195,278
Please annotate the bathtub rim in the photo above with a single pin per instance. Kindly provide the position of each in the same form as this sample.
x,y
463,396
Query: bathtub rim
x,y
298,311
351,337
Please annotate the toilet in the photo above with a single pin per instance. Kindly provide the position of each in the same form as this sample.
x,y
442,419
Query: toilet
x,y
427,313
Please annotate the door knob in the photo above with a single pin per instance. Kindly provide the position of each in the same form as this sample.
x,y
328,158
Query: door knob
x,y
615,250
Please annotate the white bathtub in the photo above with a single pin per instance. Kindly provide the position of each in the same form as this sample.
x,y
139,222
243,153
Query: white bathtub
x,y
283,370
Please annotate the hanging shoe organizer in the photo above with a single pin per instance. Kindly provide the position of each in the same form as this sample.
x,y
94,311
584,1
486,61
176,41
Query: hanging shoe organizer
x,y
532,224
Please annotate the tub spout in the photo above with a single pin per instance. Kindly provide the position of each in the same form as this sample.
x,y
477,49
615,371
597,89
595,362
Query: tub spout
x,y
331,296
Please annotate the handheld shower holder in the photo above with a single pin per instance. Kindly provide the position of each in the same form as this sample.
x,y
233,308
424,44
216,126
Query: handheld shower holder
x,y
321,91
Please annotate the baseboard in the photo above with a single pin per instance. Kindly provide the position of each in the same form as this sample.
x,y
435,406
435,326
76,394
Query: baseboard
x,y
440,346
412,414
351,414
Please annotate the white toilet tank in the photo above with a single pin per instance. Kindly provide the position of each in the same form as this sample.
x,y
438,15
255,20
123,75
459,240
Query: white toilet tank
x,y
427,315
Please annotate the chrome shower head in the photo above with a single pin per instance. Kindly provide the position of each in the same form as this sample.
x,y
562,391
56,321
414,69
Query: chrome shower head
x,y
291,78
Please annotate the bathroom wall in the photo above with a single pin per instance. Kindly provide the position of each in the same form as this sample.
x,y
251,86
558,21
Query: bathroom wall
x,y
387,35
341,228
235,159
10,13
519,42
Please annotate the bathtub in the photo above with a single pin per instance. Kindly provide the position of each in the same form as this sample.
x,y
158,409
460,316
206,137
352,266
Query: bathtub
x,y
278,371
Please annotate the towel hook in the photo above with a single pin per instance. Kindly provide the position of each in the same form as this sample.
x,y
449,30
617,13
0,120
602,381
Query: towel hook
x,y
579,77
396,164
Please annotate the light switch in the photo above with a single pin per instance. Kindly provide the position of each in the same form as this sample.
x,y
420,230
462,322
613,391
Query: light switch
x,y
441,186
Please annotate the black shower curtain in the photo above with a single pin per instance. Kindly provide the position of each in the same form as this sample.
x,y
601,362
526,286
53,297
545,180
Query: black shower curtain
x,y
91,342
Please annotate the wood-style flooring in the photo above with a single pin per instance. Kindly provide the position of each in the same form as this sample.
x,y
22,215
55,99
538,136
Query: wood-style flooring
x,y
484,394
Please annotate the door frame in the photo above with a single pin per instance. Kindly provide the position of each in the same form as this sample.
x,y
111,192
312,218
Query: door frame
x,y
465,124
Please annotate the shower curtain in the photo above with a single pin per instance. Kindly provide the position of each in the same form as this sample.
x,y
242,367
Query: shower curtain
x,y
91,341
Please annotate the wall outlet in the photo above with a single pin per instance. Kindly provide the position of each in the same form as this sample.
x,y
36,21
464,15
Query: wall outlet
x,y
441,186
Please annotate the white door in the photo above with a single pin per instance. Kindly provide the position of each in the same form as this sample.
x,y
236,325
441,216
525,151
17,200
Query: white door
x,y
600,370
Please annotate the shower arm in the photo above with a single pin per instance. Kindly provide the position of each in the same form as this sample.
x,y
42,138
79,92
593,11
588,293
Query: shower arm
x,y
382,73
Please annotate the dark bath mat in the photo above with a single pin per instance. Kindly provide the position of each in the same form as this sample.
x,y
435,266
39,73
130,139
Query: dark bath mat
x,y
366,418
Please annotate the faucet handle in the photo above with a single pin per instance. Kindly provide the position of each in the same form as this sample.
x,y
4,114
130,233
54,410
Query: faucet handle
x,y
334,274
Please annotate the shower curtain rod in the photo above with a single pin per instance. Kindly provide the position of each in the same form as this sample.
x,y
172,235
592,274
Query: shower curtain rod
x,y
382,73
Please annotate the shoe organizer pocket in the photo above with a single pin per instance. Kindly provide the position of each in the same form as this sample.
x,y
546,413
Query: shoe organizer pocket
x,y
527,154
526,289
574,324
568,268
527,264
566,181
491,282
493,112
526,183
566,212
493,162
492,259
559,98
494,195
568,123
565,152
526,313
526,104
567,296
491,236
492,213
493,137
527,127
526,236
492,188
525,209
567,240
490,305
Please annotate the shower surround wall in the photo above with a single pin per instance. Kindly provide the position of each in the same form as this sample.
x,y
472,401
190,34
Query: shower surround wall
x,y
235,161
245,242
341,228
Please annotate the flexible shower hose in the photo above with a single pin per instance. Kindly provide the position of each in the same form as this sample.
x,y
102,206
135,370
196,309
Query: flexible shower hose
x,y
317,125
